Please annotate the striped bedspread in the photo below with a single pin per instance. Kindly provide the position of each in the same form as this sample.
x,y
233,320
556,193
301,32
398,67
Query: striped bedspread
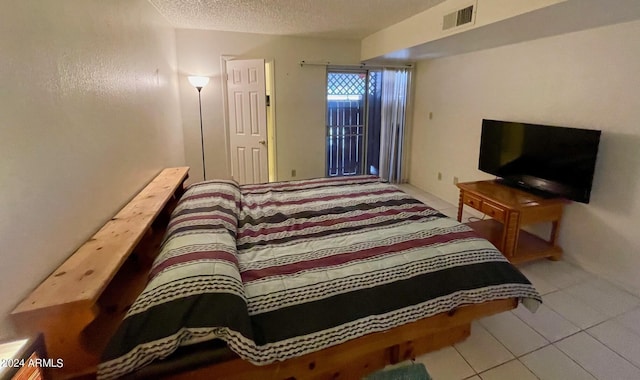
x,y
281,270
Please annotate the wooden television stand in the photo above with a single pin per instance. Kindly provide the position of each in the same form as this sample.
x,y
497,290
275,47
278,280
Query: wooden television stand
x,y
510,209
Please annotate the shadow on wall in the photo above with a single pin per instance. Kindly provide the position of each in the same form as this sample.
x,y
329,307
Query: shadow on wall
x,y
615,183
601,236
600,246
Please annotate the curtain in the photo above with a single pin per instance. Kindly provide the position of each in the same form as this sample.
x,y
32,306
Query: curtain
x,y
395,91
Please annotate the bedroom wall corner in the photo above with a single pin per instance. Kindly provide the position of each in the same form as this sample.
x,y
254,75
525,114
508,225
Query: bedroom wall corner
x,y
299,91
90,114
585,79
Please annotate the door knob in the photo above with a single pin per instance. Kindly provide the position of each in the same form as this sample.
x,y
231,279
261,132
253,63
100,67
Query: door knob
x,y
262,142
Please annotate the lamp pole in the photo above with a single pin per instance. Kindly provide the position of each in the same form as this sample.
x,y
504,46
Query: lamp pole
x,y
199,83
204,168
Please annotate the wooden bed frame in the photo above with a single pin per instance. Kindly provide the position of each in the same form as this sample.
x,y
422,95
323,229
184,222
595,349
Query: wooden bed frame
x,y
359,357
80,305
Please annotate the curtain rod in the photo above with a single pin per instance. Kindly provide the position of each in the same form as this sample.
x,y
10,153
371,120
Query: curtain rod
x,y
360,65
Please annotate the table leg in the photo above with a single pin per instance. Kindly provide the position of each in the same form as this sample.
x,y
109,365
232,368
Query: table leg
x,y
555,225
510,230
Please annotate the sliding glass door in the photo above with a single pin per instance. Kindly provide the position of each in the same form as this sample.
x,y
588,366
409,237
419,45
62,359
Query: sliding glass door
x,y
353,122
346,105
365,122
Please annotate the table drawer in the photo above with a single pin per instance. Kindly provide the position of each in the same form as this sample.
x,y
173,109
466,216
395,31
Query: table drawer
x,y
472,201
493,211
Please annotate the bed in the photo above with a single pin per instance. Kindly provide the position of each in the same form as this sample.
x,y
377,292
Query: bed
x,y
279,271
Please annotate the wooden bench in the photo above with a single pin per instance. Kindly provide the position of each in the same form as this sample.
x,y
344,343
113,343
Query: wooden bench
x,y
79,306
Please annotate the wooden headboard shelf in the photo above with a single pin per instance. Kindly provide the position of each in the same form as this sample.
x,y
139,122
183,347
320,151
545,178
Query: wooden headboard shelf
x,y
77,294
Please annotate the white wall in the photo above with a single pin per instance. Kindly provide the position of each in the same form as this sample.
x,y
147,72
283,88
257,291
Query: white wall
x,y
88,115
299,96
397,40
585,79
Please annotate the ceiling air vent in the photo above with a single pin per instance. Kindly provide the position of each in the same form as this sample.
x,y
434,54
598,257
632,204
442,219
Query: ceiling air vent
x,y
458,18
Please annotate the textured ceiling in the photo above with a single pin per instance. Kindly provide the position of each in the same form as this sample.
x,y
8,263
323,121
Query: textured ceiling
x,y
320,18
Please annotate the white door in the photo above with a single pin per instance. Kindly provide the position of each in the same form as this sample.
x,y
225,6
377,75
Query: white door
x,y
247,121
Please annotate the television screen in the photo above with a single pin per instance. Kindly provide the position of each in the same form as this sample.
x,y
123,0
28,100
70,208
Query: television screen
x,y
557,161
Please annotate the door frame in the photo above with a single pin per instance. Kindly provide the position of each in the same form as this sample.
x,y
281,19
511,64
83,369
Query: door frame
x,y
271,128
270,77
225,109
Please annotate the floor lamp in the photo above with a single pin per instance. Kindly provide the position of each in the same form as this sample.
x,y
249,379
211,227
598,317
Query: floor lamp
x,y
199,83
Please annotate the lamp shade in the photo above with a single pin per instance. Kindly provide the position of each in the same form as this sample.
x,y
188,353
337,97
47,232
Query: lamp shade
x,y
198,81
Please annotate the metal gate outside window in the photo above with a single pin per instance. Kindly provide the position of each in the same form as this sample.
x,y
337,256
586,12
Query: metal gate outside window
x,y
346,122
358,101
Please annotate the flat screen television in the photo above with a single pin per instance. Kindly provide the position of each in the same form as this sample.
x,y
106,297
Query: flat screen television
x,y
543,159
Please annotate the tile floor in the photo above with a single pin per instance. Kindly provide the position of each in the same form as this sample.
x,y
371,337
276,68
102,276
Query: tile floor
x,y
586,328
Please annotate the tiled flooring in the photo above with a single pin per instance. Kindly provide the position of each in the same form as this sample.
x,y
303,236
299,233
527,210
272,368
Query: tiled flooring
x,y
586,328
